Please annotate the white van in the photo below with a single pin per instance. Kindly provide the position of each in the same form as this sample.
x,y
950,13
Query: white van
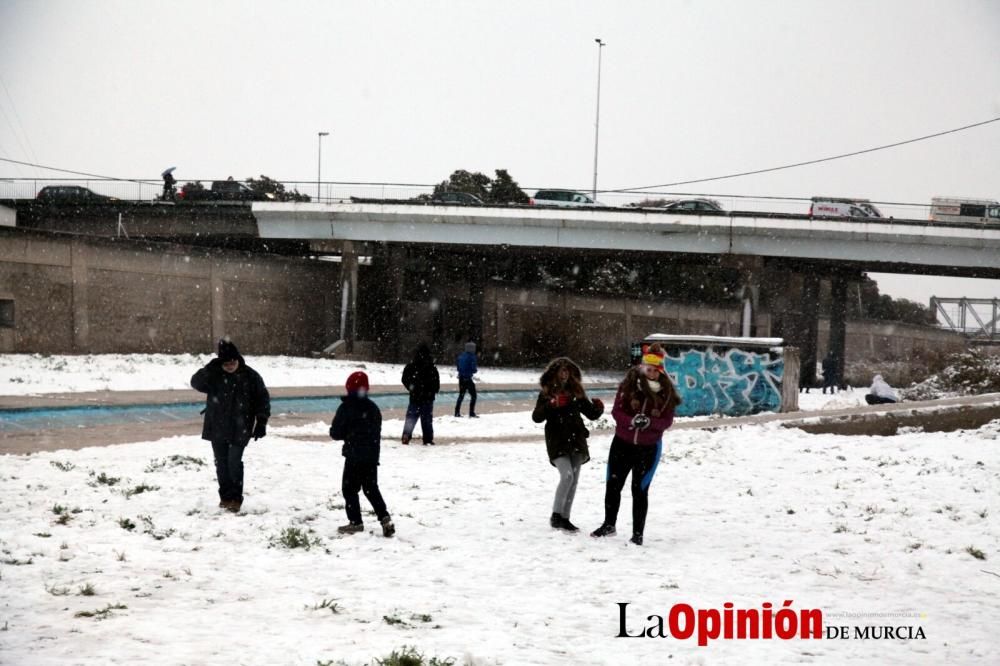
x,y
834,207
975,211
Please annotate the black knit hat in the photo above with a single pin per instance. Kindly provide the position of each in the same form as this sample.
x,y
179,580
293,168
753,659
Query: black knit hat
x,y
228,351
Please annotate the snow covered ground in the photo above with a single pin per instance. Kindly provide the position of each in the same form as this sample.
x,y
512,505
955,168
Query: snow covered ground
x,y
872,531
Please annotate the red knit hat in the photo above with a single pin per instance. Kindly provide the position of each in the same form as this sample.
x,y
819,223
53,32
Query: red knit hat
x,y
357,381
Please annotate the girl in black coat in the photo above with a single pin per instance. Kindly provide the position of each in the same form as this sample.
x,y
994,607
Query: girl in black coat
x,y
560,404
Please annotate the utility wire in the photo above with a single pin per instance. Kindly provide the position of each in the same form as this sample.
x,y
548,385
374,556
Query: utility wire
x,y
817,161
75,173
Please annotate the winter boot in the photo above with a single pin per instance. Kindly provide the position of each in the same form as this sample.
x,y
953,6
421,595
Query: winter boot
x,y
568,526
636,538
406,439
235,505
604,531
388,529
473,416
351,528
555,521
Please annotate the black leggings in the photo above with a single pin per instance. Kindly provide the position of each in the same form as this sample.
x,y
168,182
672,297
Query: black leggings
x,y
641,461
364,477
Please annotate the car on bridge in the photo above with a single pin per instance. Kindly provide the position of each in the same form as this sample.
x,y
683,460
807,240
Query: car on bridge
x,y
74,194
457,199
693,205
561,198
836,207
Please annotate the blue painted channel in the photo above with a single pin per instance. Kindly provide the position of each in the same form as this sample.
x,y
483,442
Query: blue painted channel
x,y
47,418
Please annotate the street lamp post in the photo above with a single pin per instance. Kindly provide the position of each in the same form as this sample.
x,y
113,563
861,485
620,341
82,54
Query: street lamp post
x,y
319,161
597,121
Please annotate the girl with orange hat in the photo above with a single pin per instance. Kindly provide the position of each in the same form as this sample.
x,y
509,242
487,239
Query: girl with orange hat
x,y
644,408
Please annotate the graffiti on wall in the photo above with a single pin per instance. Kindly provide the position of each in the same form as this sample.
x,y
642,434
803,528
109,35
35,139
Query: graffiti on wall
x,y
733,382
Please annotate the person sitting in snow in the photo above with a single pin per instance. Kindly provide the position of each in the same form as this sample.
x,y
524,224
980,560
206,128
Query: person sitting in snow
x,y
358,422
881,393
643,410
560,403
236,409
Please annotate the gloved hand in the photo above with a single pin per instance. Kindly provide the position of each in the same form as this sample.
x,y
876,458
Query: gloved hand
x,y
598,403
260,428
655,413
640,421
559,400
635,404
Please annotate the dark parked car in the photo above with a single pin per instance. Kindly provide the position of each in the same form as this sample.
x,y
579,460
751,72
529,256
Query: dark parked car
x,y
457,198
71,194
695,205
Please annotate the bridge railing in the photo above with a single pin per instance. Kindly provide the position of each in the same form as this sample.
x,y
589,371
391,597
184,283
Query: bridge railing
x,y
148,189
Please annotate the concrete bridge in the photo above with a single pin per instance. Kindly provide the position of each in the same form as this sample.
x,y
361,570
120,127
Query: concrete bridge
x,y
833,248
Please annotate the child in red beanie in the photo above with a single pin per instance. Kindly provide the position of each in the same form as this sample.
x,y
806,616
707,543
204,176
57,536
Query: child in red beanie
x,y
359,423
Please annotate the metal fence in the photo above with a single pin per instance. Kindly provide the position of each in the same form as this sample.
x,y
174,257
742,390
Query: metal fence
x,y
148,189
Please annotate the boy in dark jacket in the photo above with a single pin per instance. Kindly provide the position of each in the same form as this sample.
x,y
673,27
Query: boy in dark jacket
x,y
422,381
358,423
237,408
560,403
467,367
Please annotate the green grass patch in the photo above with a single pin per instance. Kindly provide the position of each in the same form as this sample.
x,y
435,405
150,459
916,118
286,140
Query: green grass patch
x,y
103,613
159,464
150,529
294,537
976,553
87,590
62,466
409,656
139,489
126,524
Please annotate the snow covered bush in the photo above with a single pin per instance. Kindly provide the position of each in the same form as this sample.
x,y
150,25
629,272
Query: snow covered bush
x,y
967,373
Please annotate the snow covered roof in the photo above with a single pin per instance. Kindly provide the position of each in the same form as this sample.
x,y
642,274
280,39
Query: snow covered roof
x,y
708,340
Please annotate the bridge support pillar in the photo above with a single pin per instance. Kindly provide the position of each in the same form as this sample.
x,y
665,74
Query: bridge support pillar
x,y
810,329
750,269
838,324
348,295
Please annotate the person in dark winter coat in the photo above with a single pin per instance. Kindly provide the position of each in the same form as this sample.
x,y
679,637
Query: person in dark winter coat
x,y
421,379
644,408
358,422
830,373
236,409
467,367
560,403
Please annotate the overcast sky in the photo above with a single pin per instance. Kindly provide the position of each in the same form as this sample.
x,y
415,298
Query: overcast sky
x,y
411,91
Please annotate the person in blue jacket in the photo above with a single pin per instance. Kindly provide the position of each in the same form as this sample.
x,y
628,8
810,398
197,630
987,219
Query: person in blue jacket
x,y
358,422
466,369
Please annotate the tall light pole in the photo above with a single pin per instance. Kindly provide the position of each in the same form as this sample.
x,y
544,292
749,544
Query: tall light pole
x,y
319,161
597,121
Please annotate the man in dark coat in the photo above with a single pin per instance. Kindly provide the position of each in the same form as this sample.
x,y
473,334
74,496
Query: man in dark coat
x,y
236,409
423,382
830,372
358,422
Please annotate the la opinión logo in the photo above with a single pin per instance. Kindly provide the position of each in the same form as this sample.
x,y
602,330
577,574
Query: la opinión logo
x,y
683,622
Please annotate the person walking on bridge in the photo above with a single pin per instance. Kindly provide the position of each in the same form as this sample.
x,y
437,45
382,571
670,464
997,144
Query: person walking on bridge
x,y
237,408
